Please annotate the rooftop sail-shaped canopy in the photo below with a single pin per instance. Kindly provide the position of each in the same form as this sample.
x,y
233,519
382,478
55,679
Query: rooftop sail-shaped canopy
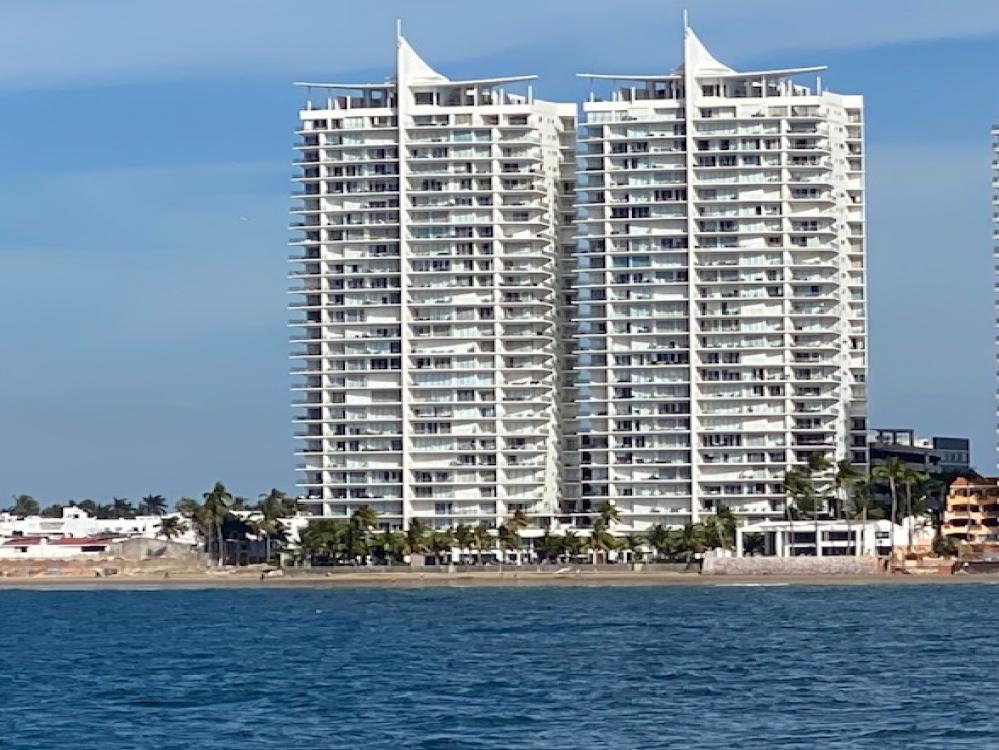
x,y
702,64
697,58
413,69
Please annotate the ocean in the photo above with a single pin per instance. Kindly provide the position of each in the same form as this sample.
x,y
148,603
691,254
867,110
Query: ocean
x,y
775,667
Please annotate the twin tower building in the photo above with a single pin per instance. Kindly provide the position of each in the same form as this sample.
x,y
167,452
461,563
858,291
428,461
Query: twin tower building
x,y
496,309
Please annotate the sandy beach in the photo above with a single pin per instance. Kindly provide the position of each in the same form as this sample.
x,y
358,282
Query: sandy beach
x,y
474,579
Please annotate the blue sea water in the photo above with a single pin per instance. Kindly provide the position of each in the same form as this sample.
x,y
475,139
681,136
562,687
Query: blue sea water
x,y
672,667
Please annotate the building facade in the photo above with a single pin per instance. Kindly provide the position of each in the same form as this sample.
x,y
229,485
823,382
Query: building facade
x,y
720,288
972,513
473,340
932,455
435,220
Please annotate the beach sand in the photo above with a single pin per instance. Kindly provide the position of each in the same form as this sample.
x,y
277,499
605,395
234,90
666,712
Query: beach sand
x,y
361,579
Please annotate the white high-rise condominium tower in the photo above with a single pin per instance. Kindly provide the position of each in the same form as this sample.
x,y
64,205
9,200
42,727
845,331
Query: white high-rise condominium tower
x,y
435,216
721,322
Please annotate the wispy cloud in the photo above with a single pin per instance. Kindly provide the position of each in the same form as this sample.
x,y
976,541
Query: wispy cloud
x,y
65,42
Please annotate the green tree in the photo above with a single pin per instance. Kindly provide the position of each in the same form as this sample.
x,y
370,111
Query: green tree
x,y
508,538
753,543
217,503
689,540
844,481
944,546
171,527
464,538
484,540
572,545
658,538
893,471
441,543
911,477
635,544
416,537
600,541
609,514
52,511
24,505
153,505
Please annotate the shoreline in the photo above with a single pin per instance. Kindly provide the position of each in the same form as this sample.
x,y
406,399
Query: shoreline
x,y
411,580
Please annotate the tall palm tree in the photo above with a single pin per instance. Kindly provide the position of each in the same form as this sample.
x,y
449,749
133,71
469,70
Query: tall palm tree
x,y
634,543
894,471
609,513
441,544
218,500
689,539
153,505
171,527
416,536
122,508
24,505
725,521
600,540
658,538
483,539
844,480
464,537
275,504
572,545
909,478
799,488
508,538
518,520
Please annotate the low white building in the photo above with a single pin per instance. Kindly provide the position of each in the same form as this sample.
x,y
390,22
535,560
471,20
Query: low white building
x,y
55,548
76,523
837,537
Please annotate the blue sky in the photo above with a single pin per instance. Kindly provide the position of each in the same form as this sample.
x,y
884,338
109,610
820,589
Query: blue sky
x,y
144,191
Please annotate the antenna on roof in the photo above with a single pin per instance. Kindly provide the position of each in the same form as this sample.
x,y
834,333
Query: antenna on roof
x,y
398,29
683,15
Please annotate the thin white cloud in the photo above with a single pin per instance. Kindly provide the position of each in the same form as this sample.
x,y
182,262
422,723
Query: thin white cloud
x,y
68,42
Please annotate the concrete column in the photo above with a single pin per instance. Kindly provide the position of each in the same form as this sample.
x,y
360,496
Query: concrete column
x,y
818,540
779,543
858,542
738,542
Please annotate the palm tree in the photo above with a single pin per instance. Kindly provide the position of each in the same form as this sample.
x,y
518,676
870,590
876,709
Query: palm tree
x,y
689,539
153,505
464,537
634,543
508,538
416,536
394,545
571,544
714,533
218,500
893,470
844,480
600,540
609,513
551,546
725,521
910,477
441,543
275,504
24,505
171,527
122,508
798,486
483,539
518,520
658,538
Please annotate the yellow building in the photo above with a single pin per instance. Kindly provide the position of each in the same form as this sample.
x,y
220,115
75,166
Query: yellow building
x,y
972,513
